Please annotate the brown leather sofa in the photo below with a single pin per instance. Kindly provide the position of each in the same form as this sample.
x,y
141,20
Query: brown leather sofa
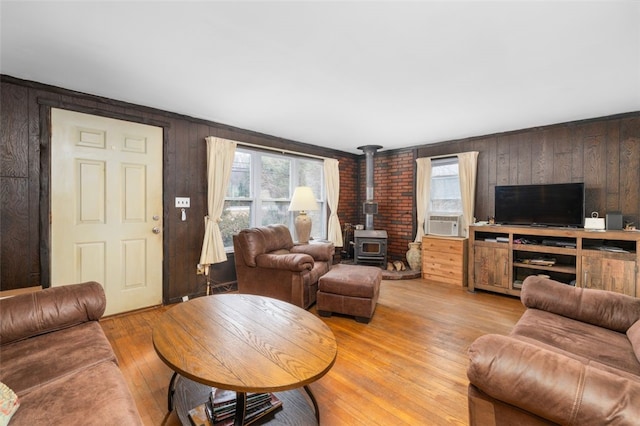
x,y
573,358
268,263
56,358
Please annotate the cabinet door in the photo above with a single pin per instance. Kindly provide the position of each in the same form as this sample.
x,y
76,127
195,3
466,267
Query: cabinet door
x,y
491,266
609,274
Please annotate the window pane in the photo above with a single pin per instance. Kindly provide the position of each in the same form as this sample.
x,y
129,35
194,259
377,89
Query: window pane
x,y
309,173
240,183
445,169
260,191
445,187
274,179
317,225
235,216
273,212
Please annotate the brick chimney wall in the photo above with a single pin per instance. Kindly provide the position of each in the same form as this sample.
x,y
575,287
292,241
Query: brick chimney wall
x,y
394,191
348,208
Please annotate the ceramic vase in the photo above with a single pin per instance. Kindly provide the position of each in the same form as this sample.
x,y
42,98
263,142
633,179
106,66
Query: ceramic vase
x,y
414,256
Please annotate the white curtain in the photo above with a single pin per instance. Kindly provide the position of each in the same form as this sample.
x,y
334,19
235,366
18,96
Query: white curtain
x,y
467,171
423,193
220,153
332,179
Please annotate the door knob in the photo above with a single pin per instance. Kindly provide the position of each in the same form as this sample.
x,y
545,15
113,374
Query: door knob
x,y
156,230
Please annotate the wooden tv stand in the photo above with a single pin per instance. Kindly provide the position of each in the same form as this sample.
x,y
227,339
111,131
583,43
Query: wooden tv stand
x,y
501,257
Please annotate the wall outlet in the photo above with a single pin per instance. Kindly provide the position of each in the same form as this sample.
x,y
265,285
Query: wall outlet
x,y
185,298
199,269
183,202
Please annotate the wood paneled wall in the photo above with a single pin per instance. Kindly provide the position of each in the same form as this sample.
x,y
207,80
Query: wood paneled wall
x,y
24,169
604,153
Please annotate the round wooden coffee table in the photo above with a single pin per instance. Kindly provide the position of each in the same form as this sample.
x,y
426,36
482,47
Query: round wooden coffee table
x,y
244,343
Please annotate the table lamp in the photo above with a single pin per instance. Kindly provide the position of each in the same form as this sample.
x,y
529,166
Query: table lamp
x,y
302,201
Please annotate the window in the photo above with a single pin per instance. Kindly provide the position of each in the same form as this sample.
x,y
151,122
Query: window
x,y
445,186
260,191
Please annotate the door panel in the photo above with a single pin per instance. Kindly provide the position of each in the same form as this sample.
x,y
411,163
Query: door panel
x,y
491,266
604,273
106,199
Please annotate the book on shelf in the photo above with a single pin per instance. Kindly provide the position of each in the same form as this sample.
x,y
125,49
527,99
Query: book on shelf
x,y
542,262
539,261
198,416
220,409
497,240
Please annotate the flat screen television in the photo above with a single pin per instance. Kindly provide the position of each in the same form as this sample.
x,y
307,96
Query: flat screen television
x,y
558,204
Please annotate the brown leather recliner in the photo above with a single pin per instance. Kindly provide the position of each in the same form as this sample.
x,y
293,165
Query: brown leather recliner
x,y
268,263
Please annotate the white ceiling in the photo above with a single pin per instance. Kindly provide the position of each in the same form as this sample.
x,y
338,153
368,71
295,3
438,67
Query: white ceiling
x,y
339,74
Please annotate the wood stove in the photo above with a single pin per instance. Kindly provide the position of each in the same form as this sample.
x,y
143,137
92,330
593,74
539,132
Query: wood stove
x,y
370,247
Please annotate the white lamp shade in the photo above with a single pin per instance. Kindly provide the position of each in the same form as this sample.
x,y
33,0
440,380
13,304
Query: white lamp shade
x,y
303,200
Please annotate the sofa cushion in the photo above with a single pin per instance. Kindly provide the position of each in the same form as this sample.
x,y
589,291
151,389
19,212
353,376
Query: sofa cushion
x,y
319,251
295,262
31,314
97,396
265,239
551,385
32,363
603,308
578,340
633,333
276,237
318,270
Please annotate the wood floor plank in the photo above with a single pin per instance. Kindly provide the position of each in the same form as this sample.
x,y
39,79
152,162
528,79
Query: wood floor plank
x,y
407,366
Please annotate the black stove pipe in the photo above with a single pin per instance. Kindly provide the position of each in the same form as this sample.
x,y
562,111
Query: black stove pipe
x,y
370,207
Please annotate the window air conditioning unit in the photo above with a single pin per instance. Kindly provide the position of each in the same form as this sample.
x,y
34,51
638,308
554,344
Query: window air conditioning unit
x,y
446,225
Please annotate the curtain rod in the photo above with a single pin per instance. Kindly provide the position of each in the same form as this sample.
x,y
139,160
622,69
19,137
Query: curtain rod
x,y
282,151
438,157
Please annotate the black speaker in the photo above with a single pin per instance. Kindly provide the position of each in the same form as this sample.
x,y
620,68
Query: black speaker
x,y
614,221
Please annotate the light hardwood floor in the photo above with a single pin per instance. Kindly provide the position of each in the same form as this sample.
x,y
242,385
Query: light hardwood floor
x,y
407,366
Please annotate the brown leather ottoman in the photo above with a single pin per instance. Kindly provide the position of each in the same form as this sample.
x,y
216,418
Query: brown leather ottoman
x,y
350,290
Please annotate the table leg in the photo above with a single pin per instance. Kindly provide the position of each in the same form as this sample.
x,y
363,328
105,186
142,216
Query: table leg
x,y
315,403
241,408
171,390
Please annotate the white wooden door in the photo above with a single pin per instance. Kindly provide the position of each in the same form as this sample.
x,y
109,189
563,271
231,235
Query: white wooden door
x,y
106,207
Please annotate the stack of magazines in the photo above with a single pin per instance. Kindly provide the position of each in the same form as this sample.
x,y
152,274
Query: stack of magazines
x,y
220,410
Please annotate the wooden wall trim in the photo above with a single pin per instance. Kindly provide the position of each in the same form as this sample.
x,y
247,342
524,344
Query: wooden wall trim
x,y
71,106
45,203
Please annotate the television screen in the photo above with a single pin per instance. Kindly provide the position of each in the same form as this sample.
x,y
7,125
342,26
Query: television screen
x,y
559,204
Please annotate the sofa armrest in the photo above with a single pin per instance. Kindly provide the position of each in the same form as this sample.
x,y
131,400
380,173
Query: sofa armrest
x,y
606,309
321,252
294,262
551,385
51,309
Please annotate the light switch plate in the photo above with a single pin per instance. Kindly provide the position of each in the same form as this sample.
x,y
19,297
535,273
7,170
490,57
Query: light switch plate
x,y
183,202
